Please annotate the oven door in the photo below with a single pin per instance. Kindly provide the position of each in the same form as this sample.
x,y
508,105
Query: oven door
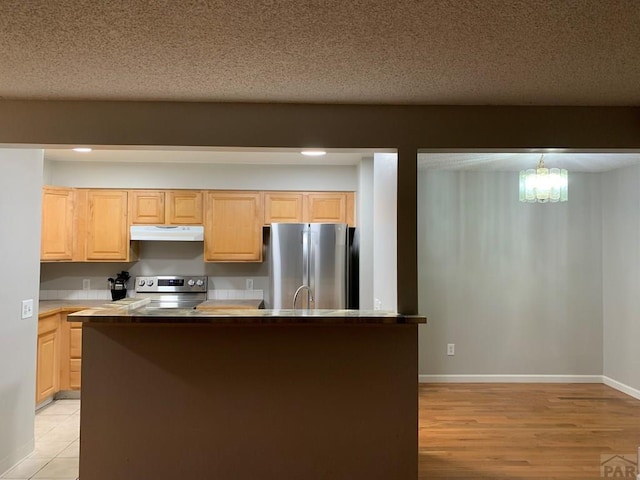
x,y
168,300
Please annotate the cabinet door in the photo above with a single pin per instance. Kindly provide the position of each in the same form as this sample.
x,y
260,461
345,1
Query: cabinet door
x,y
70,353
184,207
282,207
147,207
107,228
57,224
75,342
326,207
47,366
233,227
75,368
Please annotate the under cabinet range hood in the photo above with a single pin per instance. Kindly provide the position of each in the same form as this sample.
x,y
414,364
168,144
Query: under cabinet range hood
x,y
168,233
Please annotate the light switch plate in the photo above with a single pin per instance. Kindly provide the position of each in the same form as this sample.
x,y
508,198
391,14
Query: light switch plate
x,y
27,308
86,284
249,283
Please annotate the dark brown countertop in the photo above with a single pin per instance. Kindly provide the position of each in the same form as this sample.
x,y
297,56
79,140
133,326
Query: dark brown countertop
x,y
239,316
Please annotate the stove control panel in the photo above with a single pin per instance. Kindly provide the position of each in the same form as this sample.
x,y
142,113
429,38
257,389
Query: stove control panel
x,y
171,283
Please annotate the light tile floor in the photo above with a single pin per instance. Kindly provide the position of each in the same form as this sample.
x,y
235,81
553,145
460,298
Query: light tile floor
x,y
57,444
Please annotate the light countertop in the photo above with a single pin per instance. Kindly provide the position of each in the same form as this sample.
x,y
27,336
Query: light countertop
x,y
51,307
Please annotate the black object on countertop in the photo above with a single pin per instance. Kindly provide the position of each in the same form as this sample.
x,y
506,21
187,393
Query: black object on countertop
x,y
118,286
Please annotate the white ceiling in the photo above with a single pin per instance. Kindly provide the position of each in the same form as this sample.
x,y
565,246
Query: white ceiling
x,y
516,52
513,162
479,161
235,156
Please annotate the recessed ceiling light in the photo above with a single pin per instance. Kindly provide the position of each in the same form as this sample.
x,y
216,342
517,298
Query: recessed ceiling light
x,y
82,149
313,153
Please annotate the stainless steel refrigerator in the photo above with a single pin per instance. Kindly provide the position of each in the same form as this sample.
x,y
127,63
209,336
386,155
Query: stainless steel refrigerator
x,y
308,262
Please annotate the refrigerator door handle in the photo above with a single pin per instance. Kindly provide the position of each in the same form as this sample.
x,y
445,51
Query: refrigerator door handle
x,y
306,260
311,279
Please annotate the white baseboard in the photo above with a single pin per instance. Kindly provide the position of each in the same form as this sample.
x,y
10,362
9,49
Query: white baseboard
x,y
510,378
610,382
16,457
634,392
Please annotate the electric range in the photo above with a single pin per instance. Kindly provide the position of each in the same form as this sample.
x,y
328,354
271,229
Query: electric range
x,y
172,291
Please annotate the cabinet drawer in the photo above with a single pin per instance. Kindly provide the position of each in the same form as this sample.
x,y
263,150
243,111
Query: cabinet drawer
x,y
48,323
75,342
75,367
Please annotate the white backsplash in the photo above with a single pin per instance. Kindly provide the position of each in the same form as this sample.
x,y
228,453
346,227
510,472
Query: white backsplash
x,y
75,295
235,294
227,281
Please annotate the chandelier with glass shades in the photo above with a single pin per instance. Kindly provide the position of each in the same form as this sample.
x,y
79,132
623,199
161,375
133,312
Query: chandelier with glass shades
x,y
543,185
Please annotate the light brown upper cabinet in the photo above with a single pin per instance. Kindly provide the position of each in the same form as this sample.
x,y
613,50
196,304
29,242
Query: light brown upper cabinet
x,y
319,207
147,207
327,207
184,207
107,227
233,227
283,207
57,224
166,207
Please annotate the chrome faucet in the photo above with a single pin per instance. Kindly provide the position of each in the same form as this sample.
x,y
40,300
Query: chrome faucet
x,y
295,296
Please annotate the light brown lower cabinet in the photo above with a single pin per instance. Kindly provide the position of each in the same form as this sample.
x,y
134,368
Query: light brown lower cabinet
x,y
75,365
75,355
47,366
59,355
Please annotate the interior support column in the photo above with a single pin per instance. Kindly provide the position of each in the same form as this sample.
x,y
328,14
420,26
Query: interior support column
x,y
407,230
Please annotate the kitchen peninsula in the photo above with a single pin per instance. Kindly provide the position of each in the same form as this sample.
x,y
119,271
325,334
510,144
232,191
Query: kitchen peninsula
x,y
247,394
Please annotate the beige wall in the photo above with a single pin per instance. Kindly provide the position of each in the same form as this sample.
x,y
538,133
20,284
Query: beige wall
x,y
621,281
199,176
516,287
20,246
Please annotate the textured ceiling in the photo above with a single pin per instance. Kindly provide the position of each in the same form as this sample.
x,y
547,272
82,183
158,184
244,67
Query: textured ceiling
x,y
518,52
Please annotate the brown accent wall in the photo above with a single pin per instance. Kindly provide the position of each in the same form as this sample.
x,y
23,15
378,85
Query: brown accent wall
x,y
406,128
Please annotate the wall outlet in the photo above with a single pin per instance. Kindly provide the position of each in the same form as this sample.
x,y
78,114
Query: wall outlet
x,y
451,348
86,284
249,283
27,308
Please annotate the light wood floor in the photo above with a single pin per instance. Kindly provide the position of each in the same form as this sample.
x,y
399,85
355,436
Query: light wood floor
x,y
523,431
